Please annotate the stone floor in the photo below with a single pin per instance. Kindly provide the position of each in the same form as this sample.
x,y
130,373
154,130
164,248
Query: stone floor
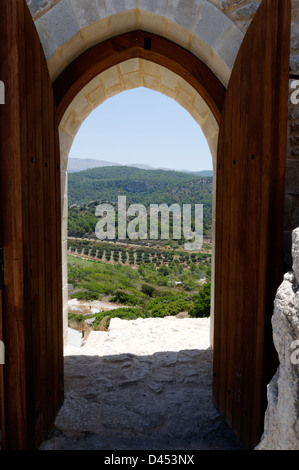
x,y
143,385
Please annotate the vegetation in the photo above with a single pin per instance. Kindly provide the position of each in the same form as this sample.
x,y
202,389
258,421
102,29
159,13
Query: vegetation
x,y
89,188
146,278
145,292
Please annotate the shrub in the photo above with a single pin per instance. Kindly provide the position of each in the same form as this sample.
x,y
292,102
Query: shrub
x,y
202,302
122,297
148,290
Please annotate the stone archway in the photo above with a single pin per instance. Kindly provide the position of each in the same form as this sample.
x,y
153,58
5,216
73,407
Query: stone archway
x,y
69,28
131,73
212,30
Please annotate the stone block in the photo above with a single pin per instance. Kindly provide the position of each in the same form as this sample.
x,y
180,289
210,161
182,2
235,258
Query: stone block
x,y
73,48
200,49
132,80
81,106
64,275
177,33
37,6
200,106
292,177
70,122
219,68
183,97
123,22
294,63
114,90
65,140
131,65
151,82
168,91
151,68
96,32
64,252
210,127
92,85
60,22
56,64
116,6
63,180
89,11
229,46
184,12
149,21
246,12
212,24
169,79
97,96
155,6
226,4
48,45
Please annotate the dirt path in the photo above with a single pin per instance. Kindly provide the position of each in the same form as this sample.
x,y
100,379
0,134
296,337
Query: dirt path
x,y
144,384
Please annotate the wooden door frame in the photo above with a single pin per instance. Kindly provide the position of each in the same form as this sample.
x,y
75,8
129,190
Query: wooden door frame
x,y
30,225
250,224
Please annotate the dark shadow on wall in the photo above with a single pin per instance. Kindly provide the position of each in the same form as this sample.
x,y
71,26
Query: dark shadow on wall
x,y
152,402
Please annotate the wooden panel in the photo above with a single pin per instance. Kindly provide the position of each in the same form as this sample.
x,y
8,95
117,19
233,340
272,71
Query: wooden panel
x,y
249,222
131,45
30,213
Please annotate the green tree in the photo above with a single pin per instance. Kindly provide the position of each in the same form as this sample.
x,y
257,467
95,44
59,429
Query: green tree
x,y
202,302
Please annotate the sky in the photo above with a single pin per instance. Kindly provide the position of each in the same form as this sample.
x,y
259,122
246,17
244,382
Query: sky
x,y
142,126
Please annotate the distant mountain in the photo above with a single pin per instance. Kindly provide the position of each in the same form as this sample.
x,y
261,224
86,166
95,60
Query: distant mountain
x,y
139,186
88,188
81,164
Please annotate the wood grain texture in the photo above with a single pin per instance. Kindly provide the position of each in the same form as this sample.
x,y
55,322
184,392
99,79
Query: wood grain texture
x,y
249,222
30,221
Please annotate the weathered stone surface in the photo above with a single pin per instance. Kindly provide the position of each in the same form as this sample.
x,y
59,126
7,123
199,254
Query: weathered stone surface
x,y
246,12
294,63
38,6
226,4
292,176
148,385
281,430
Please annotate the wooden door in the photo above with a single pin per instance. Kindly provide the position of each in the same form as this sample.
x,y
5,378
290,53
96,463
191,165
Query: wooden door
x,y
249,222
30,214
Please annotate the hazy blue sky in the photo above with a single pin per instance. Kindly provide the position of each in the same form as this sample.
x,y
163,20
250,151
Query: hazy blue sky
x,y
143,126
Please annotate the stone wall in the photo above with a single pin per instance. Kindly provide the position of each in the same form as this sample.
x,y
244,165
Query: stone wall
x,y
281,431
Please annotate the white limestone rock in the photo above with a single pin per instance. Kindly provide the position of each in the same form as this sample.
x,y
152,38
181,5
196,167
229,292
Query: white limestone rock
x,y
281,430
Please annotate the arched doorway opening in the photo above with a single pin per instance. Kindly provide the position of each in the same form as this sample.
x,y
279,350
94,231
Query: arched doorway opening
x,y
190,83
134,371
